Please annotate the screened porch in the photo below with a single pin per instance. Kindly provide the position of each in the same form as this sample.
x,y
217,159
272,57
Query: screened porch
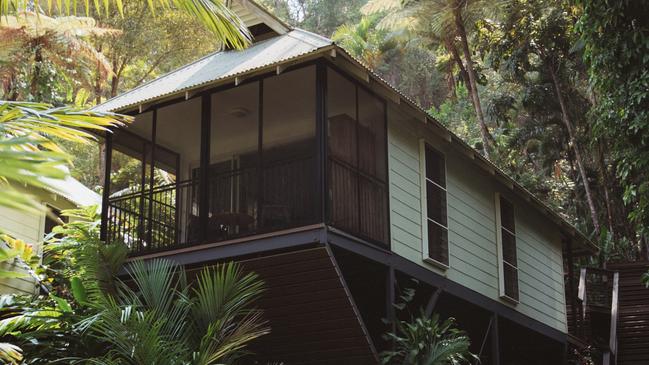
x,y
250,159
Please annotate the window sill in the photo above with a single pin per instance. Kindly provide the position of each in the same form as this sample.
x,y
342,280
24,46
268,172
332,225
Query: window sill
x,y
509,299
437,264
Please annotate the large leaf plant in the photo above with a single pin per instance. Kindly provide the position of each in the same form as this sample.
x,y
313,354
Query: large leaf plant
x,y
154,314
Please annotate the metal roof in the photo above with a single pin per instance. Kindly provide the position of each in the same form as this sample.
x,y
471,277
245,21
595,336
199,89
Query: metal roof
x,y
71,189
221,65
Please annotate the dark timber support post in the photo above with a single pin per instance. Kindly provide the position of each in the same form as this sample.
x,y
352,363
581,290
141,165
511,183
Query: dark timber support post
x,y
177,202
149,229
260,156
390,298
108,156
571,284
391,295
203,189
141,229
321,135
432,302
495,340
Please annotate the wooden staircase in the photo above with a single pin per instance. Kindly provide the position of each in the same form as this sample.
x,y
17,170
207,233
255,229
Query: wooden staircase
x,y
633,315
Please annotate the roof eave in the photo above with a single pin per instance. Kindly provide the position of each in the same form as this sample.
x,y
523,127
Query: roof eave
x,y
236,78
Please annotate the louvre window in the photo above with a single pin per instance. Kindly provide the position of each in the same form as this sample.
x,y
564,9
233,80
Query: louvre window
x,y
507,248
435,197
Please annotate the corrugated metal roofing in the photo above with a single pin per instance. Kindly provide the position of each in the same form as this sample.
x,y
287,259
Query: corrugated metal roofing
x,y
71,189
221,65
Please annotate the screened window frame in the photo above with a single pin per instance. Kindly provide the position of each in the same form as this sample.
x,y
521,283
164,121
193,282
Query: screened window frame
x,y
328,67
499,243
424,180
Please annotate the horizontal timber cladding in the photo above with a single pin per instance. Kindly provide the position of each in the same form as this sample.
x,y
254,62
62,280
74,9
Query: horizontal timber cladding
x,y
23,226
312,316
473,254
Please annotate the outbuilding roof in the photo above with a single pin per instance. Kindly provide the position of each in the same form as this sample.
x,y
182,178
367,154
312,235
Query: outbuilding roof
x,y
72,190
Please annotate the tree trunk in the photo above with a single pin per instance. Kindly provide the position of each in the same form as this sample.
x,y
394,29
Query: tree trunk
x,y
487,138
607,196
98,80
114,79
34,87
11,91
573,142
455,55
101,169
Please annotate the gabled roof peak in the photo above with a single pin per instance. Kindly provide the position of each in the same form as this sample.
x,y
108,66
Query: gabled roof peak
x,y
261,23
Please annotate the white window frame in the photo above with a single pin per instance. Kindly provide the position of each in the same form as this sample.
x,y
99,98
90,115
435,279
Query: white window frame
x,y
499,243
424,206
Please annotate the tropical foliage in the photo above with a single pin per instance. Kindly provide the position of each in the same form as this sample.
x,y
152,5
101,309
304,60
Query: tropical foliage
x,y
16,250
37,49
427,340
28,149
205,317
213,14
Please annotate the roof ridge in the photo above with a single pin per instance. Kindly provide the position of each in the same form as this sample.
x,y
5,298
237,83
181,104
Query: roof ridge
x,y
323,38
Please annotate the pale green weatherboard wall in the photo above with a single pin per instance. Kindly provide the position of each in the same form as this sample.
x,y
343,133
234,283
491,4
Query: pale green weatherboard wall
x,y
30,228
27,227
471,221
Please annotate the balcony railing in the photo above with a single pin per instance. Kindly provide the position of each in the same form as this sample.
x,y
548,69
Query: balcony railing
x,y
239,203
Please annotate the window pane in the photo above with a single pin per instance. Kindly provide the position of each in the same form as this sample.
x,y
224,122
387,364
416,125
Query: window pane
x,y
341,112
436,202
178,131
234,146
435,167
357,159
289,150
509,248
373,206
343,184
507,215
126,171
437,243
371,135
511,281
289,115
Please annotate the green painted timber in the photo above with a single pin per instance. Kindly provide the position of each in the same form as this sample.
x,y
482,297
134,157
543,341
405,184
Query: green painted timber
x,y
473,255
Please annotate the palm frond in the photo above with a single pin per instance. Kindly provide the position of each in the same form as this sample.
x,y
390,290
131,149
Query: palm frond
x,y
28,152
226,26
10,354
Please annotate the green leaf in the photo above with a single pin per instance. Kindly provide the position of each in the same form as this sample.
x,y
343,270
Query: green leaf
x,y
78,290
62,304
